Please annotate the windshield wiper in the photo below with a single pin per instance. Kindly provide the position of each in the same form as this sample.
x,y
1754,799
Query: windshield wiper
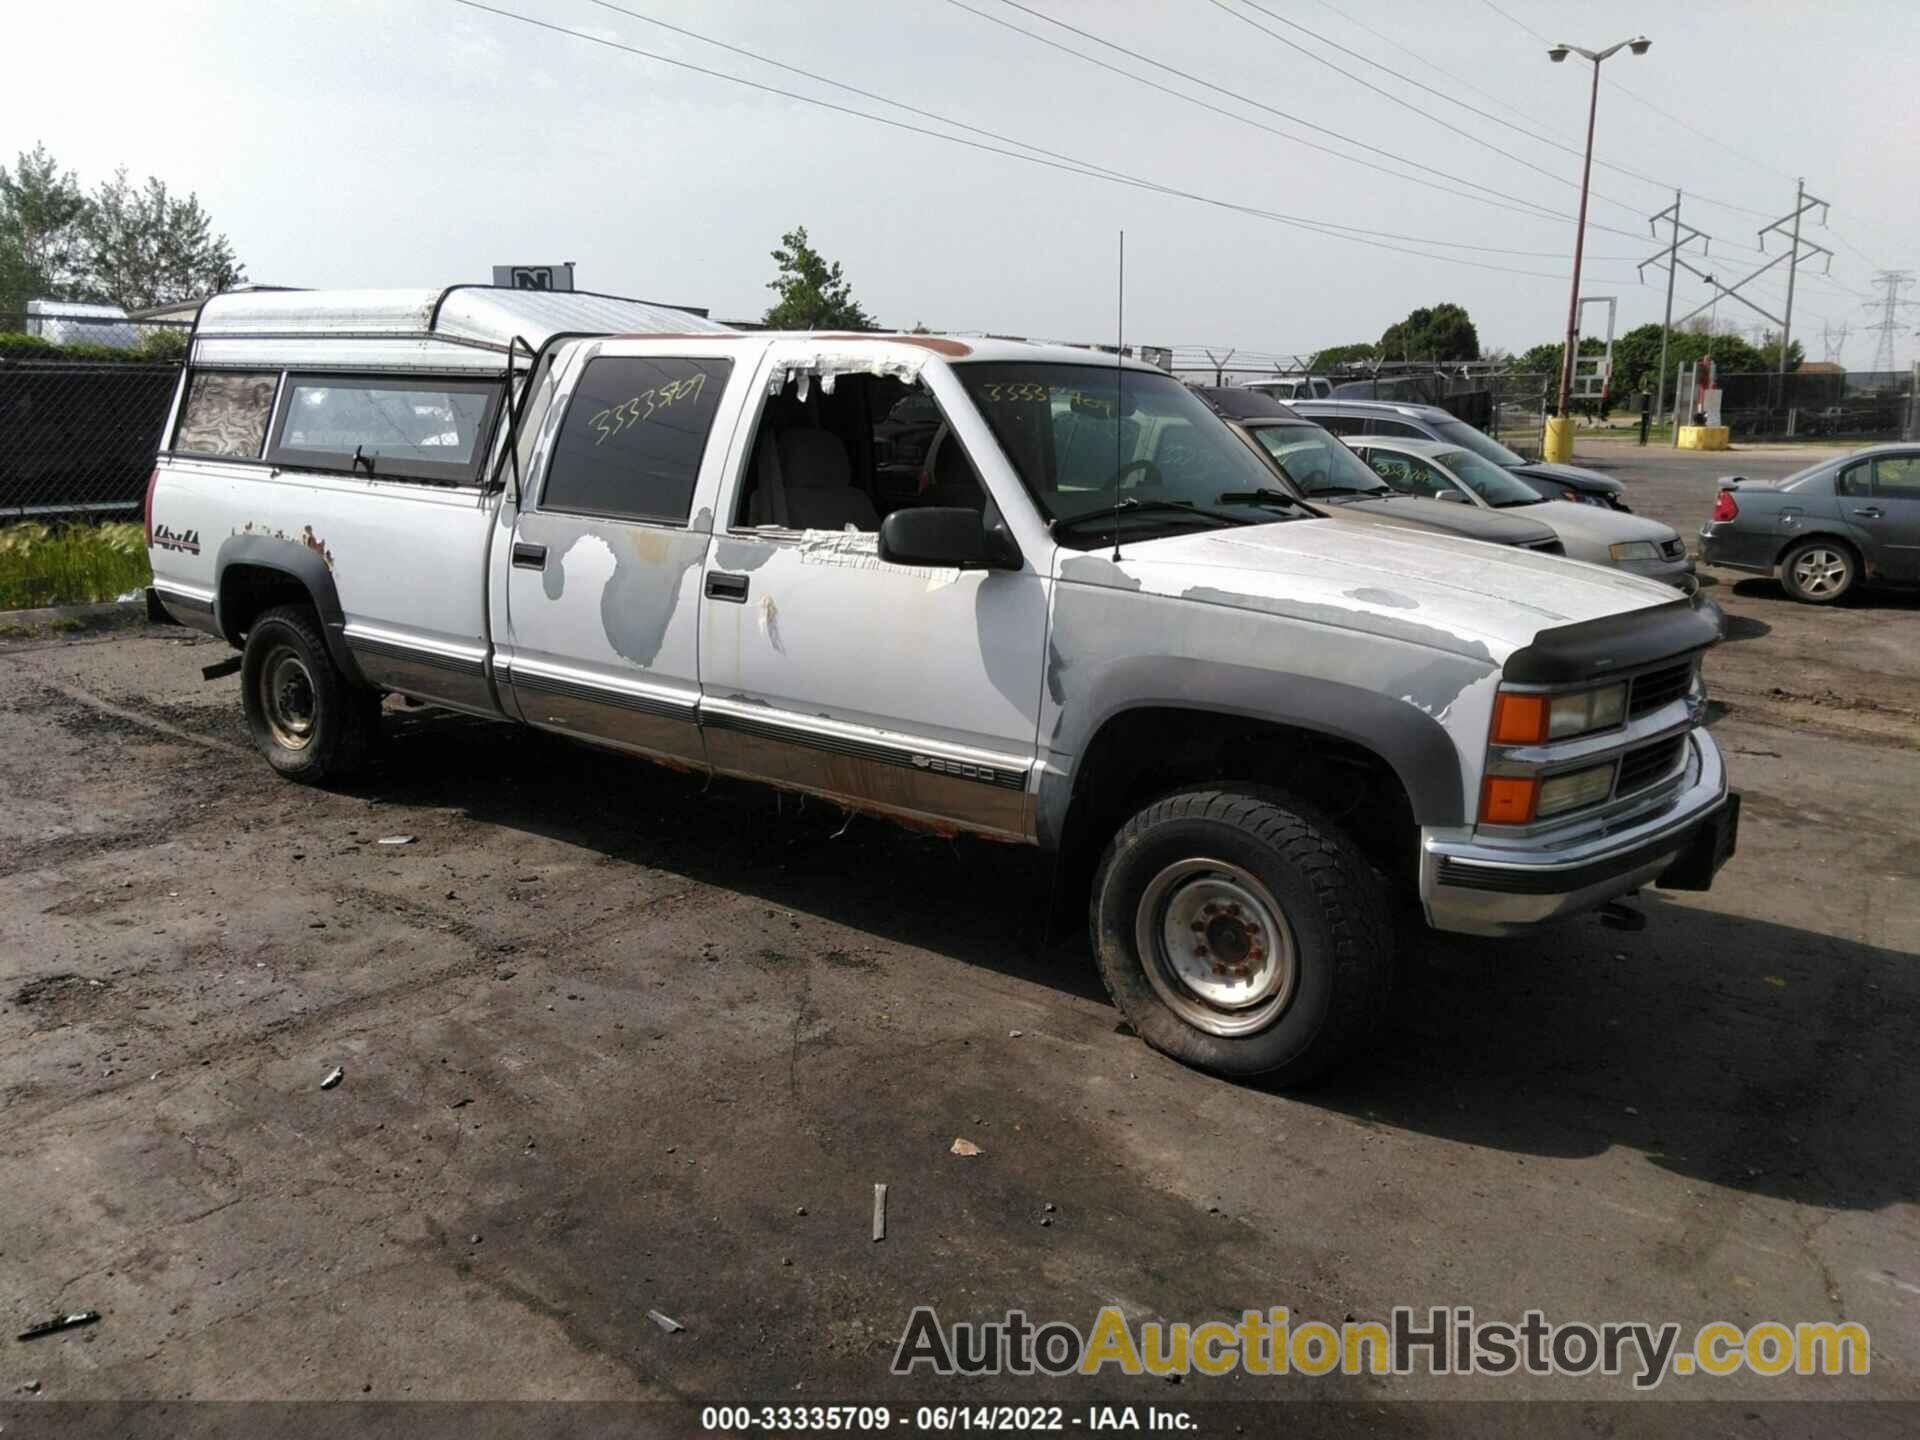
x,y
1259,497
1343,490
1131,506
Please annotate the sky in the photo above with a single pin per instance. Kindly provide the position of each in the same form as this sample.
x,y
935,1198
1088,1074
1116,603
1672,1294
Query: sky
x,y
421,142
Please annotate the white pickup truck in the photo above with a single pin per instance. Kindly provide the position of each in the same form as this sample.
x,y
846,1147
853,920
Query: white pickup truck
x,y
1029,592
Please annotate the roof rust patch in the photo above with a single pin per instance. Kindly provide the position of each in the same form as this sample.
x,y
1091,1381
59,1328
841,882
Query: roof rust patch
x,y
939,344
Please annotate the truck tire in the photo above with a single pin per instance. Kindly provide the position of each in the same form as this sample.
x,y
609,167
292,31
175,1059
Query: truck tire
x,y
1818,571
308,719
1241,933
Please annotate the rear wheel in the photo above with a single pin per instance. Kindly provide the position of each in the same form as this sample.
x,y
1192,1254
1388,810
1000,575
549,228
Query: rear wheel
x,y
1240,933
306,717
1818,571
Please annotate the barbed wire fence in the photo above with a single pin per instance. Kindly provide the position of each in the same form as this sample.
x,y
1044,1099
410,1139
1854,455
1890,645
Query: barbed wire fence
x,y
82,405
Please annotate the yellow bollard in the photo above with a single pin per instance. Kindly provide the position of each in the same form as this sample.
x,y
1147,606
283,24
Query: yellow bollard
x,y
1558,446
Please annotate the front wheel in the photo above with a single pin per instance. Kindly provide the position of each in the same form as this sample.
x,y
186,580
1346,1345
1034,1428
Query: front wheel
x,y
1818,572
306,717
1242,934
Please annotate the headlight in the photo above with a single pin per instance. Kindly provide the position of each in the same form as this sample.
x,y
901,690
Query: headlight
x,y
1528,719
1633,550
1520,799
1574,789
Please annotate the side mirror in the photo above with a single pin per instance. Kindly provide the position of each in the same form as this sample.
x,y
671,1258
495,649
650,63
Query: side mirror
x,y
1451,495
951,537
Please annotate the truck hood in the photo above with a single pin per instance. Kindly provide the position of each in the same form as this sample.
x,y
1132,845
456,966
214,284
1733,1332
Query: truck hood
x,y
1450,594
1468,520
1573,475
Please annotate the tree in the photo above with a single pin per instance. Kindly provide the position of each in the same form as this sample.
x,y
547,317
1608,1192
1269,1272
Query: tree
x,y
814,295
41,209
1359,353
145,247
1442,332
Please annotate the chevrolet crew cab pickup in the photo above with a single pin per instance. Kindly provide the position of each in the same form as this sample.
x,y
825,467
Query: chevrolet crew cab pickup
x,y
1080,617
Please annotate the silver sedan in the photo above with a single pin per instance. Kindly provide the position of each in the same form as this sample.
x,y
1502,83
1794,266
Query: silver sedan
x,y
1440,471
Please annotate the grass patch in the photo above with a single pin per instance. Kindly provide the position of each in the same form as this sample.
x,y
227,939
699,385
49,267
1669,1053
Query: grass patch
x,y
70,564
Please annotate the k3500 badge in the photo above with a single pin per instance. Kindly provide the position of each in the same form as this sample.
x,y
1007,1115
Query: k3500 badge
x,y
958,768
169,539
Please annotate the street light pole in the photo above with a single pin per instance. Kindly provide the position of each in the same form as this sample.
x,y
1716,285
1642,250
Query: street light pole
x,y
1639,45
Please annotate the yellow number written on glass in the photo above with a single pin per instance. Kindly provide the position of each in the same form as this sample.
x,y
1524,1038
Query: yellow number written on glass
x,y
644,406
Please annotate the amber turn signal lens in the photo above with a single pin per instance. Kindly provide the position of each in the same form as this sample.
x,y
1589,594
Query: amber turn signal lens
x,y
1508,799
1519,719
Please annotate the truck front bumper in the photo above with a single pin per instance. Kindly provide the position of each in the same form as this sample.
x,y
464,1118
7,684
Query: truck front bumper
x,y
1481,887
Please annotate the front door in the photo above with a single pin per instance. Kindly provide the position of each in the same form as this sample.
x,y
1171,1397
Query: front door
x,y
603,594
906,690
1891,516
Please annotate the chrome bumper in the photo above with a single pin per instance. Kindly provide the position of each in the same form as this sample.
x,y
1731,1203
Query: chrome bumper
x,y
1481,887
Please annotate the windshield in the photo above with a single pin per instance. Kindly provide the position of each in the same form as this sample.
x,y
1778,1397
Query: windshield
x,y
1317,462
1489,482
1479,442
1084,438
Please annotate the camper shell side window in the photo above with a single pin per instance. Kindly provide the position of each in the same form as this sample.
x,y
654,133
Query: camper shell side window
x,y
435,429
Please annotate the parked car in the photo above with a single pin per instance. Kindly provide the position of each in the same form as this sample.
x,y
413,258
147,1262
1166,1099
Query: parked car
x,y
1242,402
1846,521
1299,387
1446,472
1248,732
1352,418
1318,466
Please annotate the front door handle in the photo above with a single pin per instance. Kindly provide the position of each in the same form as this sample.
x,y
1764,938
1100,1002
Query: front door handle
x,y
722,586
528,556
1872,512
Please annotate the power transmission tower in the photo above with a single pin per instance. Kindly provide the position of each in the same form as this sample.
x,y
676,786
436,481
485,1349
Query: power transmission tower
x,y
1833,340
1890,306
1799,250
1669,260
1802,203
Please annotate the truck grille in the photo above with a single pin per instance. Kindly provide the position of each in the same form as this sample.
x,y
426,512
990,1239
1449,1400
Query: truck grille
x,y
1660,687
1648,765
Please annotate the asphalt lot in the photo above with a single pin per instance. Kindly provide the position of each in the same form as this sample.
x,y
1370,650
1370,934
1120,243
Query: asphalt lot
x,y
615,1042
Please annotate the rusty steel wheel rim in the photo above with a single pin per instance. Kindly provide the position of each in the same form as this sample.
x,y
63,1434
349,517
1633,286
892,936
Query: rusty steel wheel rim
x,y
1216,947
287,698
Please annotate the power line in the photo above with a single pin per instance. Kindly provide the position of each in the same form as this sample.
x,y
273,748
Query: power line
x,y
1534,209
1531,208
1070,164
1405,104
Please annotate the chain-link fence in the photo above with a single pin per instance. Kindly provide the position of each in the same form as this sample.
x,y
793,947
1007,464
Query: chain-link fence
x,y
1863,406
83,400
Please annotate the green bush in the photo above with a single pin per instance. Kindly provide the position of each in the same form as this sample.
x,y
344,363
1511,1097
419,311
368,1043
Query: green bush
x,y
157,346
70,564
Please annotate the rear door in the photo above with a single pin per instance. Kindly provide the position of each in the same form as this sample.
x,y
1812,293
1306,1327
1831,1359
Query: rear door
x,y
603,589
1892,514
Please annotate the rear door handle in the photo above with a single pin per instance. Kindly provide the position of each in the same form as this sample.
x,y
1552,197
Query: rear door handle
x,y
722,586
528,556
1872,512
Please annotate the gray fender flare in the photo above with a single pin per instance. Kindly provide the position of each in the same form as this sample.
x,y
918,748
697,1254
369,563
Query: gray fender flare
x,y
300,562
1416,746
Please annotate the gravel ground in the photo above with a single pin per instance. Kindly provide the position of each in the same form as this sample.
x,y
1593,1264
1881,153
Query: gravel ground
x,y
614,1041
